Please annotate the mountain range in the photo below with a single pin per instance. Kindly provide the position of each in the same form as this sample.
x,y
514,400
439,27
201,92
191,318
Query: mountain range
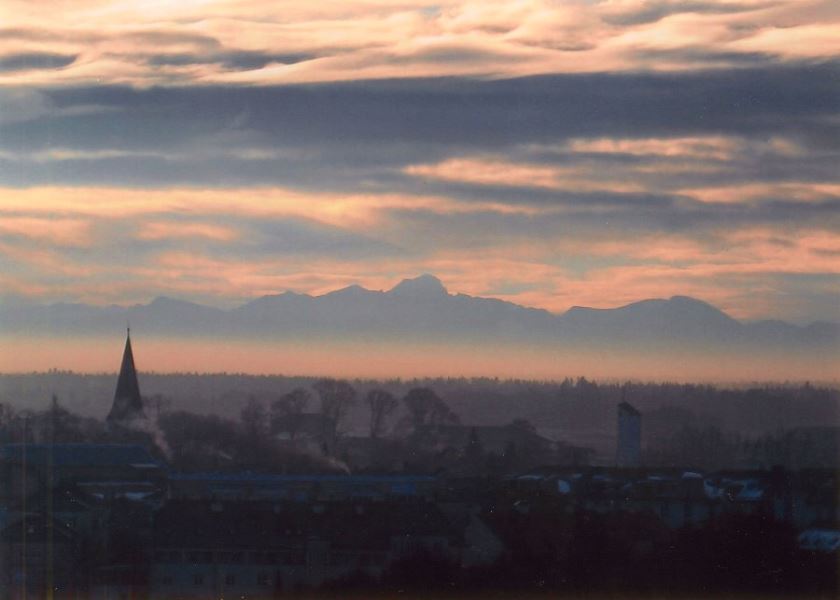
x,y
421,309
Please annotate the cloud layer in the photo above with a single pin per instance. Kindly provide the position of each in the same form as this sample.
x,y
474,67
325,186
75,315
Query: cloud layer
x,y
260,42
548,153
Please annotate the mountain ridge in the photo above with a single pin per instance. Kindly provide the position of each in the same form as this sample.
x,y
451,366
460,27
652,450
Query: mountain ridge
x,y
421,308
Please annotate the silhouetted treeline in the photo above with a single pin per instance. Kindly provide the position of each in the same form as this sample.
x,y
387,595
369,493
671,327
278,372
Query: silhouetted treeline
x,y
579,411
283,436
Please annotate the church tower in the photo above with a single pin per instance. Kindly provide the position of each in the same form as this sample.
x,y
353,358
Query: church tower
x,y
128,404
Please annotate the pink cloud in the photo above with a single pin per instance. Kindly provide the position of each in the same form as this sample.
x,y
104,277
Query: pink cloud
x,y
160,230
360,40
610,268
58,232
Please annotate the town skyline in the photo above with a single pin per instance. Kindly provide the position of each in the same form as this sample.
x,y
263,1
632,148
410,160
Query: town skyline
x,y
457,298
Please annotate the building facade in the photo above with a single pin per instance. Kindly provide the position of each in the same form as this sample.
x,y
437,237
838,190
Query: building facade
x,y
629,450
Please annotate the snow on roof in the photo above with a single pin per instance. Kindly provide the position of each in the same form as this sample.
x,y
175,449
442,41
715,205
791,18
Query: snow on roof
x,y
820,540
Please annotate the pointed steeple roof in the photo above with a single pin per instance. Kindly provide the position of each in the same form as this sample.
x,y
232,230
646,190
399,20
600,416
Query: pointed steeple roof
x,y
127,401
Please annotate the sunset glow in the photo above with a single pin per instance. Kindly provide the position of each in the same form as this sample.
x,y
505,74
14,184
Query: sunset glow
x,y
551,154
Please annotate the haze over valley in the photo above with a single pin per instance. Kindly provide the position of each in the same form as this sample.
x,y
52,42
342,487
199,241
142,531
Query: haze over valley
x,y
419,328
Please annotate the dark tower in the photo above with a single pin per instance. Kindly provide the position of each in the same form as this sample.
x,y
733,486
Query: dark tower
x,y
128,404
629,452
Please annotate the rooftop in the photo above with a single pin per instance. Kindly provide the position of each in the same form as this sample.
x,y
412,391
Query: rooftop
x,y
246,477
629,409
244,524
79,455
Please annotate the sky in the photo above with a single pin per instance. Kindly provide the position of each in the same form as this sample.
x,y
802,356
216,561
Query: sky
x,y
549,153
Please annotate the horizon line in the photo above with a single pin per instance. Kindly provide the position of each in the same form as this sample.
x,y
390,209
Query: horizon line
x,y
827,383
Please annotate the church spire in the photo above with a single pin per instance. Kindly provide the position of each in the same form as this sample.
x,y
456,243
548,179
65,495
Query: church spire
x,y
127,401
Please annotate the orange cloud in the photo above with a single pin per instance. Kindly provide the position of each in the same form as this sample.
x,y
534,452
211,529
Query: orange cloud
x,y
707,147
43,260
732,272
488,171
346,211
547,270
750,192
60,232
485,170
116,41
668,158
159,230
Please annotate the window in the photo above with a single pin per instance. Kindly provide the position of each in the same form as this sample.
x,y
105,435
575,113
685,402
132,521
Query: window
x,y
262,579
166,580
198,579
230,579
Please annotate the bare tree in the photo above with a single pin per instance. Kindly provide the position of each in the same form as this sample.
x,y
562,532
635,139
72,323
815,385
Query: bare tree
x,y
7,415
254,418
57,421
425,407
382,404
337,396
286,411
